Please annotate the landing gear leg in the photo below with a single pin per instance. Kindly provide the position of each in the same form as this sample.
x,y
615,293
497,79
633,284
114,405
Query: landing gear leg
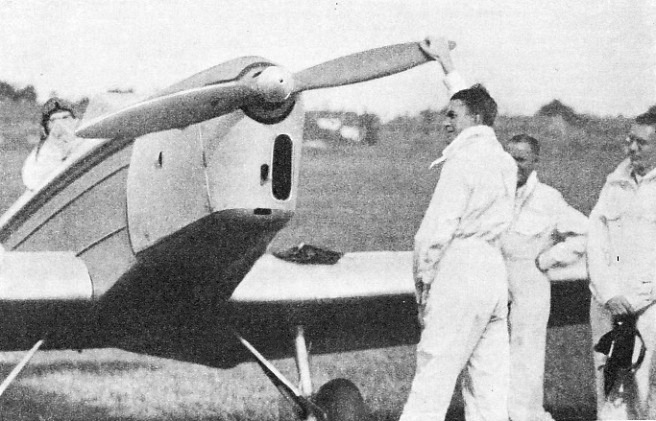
x,y
303,362
337,400
307,409
19,367
288,410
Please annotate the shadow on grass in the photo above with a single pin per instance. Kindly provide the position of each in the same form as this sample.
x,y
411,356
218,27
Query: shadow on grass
x,y
21,403
88,367
584,413
26,404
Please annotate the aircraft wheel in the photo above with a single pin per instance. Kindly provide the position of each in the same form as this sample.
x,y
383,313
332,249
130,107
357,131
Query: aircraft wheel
x,y
342,401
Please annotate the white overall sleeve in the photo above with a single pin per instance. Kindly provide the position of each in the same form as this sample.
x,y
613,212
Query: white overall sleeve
x,y
572,227
603,278
454,82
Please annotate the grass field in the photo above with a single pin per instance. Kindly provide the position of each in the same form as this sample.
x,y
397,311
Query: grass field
x,y
351,198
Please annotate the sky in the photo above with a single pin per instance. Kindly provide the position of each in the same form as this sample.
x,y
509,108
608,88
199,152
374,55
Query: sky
x,y
597,56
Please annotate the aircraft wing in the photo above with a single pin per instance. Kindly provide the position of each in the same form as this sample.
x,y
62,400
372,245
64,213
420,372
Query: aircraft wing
x,y
355,276
43,294
43,277
370,294
365,300
358,275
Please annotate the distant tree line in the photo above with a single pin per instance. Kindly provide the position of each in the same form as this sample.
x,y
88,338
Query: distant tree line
x,y
8,92
20,114
557,109
28,95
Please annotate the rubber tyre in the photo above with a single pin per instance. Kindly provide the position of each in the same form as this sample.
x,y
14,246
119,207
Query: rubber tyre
x,y
342,401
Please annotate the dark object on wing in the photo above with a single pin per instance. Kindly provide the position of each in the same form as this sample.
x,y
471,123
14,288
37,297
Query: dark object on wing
x,y
307,254
619,345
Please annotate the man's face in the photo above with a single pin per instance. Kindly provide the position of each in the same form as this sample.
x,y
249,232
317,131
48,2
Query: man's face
x,y
62,125
457,119
641,148
525,158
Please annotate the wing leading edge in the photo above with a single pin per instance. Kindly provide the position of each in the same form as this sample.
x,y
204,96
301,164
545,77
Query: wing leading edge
x,y
365,277
356,276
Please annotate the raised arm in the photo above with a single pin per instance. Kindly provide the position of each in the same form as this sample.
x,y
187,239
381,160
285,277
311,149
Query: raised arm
x,y
438,49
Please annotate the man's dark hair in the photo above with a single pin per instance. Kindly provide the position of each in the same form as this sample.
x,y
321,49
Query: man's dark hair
x,y
478,102
530,140
54,105
648,118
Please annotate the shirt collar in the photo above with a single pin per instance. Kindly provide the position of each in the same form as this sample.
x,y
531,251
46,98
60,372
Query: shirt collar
x,y
524,192
624,173
462,141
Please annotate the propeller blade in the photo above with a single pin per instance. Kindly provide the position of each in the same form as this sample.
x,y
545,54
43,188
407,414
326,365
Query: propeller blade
x,y
363,66
180,109
171,111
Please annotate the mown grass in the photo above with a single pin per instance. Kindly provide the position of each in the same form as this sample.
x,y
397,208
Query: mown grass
x,y
112,385
351,198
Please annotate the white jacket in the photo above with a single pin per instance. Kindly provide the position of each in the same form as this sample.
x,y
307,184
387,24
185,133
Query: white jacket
x,y
622,239
474,198
545,225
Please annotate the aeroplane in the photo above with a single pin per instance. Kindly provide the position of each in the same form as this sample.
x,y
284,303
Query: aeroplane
x,y
153,238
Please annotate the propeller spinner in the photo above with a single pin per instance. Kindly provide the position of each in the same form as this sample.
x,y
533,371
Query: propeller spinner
x,y
261,87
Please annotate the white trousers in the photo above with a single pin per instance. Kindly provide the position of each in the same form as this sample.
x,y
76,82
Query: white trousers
x,y
530,302
637,399
465,328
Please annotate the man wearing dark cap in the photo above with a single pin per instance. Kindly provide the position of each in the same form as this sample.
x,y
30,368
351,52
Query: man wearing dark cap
x,y
58,141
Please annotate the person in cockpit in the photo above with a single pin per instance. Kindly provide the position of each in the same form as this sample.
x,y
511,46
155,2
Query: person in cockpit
x,y
58,141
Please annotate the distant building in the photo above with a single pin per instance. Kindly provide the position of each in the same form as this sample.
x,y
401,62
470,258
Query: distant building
x,y
339,128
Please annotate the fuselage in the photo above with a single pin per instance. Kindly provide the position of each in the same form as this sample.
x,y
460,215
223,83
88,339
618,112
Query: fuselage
x,y
167,224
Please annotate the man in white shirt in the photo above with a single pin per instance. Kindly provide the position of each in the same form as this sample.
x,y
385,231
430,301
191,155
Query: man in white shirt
x,y
58,142
546,233
459,272
622,265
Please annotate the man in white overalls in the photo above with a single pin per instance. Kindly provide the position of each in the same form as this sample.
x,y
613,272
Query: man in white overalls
x,y
460,275
622,264
546,234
